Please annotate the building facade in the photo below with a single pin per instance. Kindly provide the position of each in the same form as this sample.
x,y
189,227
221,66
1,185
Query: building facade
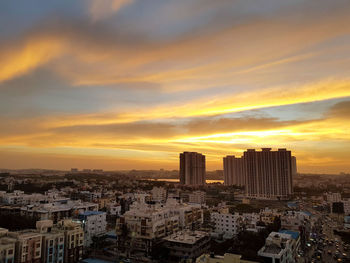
x,y
187,245
28,246
7,247
73,240
234,171
52,242
268,174
94,224
192,169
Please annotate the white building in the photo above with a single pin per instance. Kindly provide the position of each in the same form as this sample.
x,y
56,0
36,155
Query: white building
x,y
231,224
94,224
281,247
147,222
333,197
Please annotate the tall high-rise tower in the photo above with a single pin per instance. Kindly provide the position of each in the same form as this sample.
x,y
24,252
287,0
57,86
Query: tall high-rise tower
x,y
265,174
269,174
233,171
192,169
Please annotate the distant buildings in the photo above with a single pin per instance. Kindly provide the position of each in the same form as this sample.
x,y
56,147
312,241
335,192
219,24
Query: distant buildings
x,y
197,197
192,169
333,197
265,174
159,194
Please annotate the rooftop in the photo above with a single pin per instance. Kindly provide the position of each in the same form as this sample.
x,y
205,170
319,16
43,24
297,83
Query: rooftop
x,y
187,237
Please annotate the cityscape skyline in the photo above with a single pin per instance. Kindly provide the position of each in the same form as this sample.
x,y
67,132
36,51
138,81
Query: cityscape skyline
x,y
108,84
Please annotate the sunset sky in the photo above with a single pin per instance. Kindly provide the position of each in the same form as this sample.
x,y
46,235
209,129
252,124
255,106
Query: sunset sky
x,y
129,84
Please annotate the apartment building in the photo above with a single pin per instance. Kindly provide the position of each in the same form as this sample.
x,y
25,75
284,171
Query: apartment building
x,y
187,244
7,247
73,240
52,242
28,246
94,224
234,171
144,224
57,211
231,224
192,169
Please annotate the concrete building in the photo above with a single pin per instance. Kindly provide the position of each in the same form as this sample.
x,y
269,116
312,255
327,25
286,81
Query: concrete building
x,y
228,224
187,244
280,247
146,223
52,242
7,247
57,211
333,197
73,240
226,258
159,194
197,197
94,224
192,169
234,171
28,246
268,174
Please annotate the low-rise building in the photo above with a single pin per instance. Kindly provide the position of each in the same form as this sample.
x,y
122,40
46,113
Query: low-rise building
x,y
187,244
280,247
144,224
